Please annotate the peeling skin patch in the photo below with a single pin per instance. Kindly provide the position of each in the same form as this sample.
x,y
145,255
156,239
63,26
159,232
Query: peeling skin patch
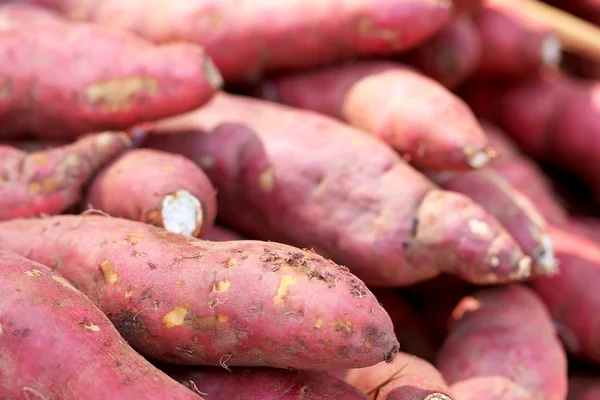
x,y
128,293
342,326
182,213
118,93
286,281
231,262
267,179
109,273
479,227
175,317
90,326
366,28
523,269
545,257
319,323
63,282
221,286
33,272
302,392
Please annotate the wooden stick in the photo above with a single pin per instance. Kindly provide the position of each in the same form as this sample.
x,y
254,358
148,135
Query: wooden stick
x,y
576,35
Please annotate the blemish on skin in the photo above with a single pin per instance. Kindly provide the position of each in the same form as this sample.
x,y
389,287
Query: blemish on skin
x,y
479,227
221,286
302,392
168,168
33,272
176,317
267,179
179,283
92,327
128,293
366,28
319,323
109,273
206,162
494,261
118,93
342,325
131,238
286,281
231,262
222,318
63,282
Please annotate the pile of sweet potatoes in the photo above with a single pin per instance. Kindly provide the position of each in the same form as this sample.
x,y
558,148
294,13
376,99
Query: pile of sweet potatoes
x,y
316,199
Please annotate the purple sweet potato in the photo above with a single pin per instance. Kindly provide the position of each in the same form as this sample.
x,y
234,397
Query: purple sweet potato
x,y
51,181
412,113
407,378
182,300
489,388
264,384
514,210
69,79
296,177
506,331
248,39
57,345
221,234
163,189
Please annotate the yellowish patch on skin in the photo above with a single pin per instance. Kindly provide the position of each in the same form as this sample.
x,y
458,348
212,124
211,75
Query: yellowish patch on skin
x,y
92,327
179,283
222,318
168,168
41,159
342,325
33,272
479,227
3,180
319,323
266,180
368,343
175,317
63,282
118,93
109,273
231,262
132,238
128,293
366,28
206,161
286,281
221,286
1,329
302,392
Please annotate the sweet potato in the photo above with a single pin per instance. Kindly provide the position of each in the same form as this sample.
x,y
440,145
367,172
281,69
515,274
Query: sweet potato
x,y
160,188
51,181
452,55
221,234
264,384
182,300
571,297
407,378
466,6
514,210
17,16
249,39
435,129
513,46
552,118
57,345
505,331
489,388
297,177
108,80
584,387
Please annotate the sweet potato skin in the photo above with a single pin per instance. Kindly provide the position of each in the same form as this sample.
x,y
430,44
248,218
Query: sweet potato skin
x,y
17,16
51,181
298,34
92,92
144,184
57,345
264,187
221,234
489,388
507,323
182,300
435,130
407,378
265,384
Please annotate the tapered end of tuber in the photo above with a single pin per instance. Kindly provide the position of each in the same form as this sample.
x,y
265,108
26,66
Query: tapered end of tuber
x,y
212,74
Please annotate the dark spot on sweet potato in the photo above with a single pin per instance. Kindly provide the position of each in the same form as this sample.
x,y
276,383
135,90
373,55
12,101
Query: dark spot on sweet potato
x,y
151,264
343,351
358,288
23,333
391,355
414,227
130,325
146,294
300,343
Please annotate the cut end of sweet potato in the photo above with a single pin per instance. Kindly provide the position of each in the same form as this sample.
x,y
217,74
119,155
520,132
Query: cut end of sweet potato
x,y
480,157
212,73
545,259
437,396
182,212
551,50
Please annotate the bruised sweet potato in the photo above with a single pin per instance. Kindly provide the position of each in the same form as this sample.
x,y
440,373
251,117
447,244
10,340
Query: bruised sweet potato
x,y
182,300
506,331
489,388
69,79
51,181
296,177
413,114
247,39
264,384
221,234
407,378
514,210
452,55
164,189
57,345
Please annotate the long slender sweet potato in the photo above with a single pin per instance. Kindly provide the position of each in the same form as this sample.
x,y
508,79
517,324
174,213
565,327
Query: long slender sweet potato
x,y
247,39
314,182
506,331
572,297
452,55
264,384
69,79
220,234
57,345
51,181
412,113
183,300
160,188
584,387
514,210
489,388
407,378
17,16
513,46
